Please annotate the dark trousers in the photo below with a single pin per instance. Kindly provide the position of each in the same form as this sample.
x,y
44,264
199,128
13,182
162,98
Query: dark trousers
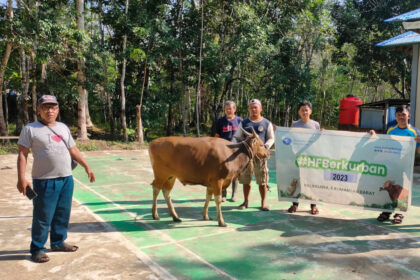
x,y
234,188
52,209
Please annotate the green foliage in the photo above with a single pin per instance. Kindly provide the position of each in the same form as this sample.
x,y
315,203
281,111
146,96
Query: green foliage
x,y
279,51
360,24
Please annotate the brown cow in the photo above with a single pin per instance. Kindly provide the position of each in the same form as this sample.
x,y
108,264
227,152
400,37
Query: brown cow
x,y
208,161
395,191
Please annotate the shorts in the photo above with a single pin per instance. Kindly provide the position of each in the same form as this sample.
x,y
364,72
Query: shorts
x,y
257,167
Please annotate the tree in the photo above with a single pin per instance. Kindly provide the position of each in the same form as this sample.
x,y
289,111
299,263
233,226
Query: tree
x,y
122,81
360,23
81,78
6,55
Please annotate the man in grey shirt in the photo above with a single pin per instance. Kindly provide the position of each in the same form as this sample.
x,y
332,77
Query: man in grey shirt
x,y
52,147
304,112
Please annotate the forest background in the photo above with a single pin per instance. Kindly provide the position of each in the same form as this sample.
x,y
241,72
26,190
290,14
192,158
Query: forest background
x,y
134,70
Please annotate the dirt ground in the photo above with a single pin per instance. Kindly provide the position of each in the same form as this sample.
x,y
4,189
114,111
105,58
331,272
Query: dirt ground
x,y
103,252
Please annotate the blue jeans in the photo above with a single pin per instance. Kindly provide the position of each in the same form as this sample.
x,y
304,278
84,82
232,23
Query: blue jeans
x,y
52,209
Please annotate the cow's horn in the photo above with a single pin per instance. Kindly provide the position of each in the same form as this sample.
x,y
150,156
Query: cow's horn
x,y
253,132
245,132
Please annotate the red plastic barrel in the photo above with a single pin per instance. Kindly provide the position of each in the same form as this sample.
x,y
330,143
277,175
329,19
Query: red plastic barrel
x,y
349,112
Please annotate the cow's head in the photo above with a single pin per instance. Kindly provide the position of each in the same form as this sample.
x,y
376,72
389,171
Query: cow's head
x,y
256,145
387,185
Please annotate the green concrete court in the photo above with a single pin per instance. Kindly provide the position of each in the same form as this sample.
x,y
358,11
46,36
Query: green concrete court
x,y
340,243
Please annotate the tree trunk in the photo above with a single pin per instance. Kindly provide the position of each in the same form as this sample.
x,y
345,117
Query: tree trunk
x,y
108,101
43,72
33,88
184,105
321,117
122,83
239,83
88,120
197,103
6,55
170,119
6,107
5,60
140,134
24,85
81,105
104,66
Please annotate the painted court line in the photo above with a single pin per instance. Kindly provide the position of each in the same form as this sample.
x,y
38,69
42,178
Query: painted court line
x,y
115,185
14,217
156,268
162,234
188,239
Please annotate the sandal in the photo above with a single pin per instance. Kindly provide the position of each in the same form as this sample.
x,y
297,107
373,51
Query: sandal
x,y
40,257
292,209
65,248
398,218
384,216
265,208
314,210
243,205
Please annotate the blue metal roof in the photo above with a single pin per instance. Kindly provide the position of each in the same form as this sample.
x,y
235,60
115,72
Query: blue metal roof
x,y
415,14
405,39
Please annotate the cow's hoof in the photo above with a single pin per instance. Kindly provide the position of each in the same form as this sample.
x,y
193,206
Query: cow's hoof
x,y
207,218
156,218
222,224
176,220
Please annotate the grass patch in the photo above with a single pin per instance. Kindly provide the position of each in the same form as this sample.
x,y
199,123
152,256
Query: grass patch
x,y
8,148
100,140
100,145
84,146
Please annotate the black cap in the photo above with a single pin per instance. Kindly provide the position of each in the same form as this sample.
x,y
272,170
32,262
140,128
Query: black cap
x,y
47,99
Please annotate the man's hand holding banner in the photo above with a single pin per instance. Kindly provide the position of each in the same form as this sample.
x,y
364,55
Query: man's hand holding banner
x,y
349,168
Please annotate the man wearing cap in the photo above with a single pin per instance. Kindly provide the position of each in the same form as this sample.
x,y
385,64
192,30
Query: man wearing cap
x,y
226,127
52,148
264,129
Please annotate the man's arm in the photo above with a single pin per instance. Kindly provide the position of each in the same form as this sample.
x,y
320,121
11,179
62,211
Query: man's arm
x,y
76,155
269,139
22,161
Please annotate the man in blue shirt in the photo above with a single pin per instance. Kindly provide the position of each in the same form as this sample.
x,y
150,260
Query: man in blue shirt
x,y
264,128
403,128
225,128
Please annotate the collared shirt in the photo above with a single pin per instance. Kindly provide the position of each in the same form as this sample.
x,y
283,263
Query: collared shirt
x,y
408,131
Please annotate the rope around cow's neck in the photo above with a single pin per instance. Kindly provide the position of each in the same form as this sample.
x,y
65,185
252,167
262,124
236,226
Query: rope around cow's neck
x,y
249,150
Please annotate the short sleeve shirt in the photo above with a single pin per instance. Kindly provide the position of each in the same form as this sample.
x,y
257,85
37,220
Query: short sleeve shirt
x,y
51,156
311,124
227,128
260,127
408,131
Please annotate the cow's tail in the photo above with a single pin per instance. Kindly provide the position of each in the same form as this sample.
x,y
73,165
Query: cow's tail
x,y
150,154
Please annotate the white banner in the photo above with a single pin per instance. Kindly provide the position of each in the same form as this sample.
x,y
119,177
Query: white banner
x,y
347,168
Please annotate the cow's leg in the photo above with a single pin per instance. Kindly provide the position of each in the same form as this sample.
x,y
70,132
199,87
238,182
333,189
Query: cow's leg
x,y
156,192
218,200
209,194
167,188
